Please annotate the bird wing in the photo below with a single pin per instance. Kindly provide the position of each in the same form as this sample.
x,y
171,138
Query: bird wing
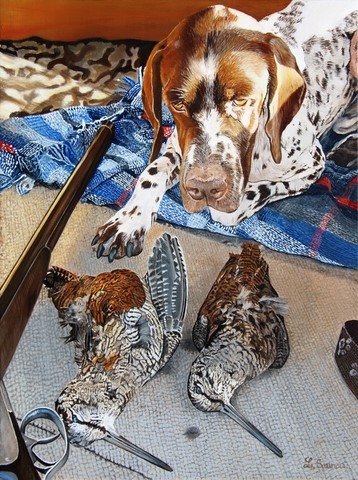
x,y
167,282
283,346
254,270
201,331
141,328
222,293
274,314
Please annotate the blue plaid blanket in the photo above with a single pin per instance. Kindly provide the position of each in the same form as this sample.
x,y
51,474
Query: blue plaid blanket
x,y
321,223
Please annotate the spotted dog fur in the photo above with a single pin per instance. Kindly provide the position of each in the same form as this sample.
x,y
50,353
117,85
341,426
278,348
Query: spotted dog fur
x,y
250,101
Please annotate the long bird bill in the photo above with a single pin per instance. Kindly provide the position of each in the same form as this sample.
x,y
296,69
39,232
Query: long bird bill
x,y
231,412
122,442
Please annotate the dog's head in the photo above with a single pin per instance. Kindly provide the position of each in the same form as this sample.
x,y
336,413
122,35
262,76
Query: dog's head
x,y
221,78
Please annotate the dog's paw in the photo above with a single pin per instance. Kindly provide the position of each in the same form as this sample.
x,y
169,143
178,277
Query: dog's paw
x,y
123,235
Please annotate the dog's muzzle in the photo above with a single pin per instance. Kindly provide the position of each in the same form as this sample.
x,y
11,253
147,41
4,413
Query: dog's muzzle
x,y
206,188
209,185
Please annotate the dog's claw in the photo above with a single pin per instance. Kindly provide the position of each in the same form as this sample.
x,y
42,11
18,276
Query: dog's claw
x,y
100,250
112,254
121,236
129,249
137,249
95,240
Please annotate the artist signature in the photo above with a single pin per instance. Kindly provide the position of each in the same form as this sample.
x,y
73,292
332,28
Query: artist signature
x,y
320,464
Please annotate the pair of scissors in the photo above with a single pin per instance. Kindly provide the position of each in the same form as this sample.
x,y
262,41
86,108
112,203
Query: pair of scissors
x,y
48,468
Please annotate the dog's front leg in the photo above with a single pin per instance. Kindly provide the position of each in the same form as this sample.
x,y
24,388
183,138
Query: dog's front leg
x,y
124,233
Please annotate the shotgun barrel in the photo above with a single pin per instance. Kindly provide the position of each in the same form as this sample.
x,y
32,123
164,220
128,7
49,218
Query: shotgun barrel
x,y
22,287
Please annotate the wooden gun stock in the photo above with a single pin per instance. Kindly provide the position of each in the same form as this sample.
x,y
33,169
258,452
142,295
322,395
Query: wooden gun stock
x,y
21,289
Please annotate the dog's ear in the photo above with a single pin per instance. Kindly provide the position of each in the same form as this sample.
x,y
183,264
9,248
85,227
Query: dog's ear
x,y
286,93
152,96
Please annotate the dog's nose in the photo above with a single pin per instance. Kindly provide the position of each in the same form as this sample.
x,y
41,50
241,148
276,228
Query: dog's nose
x,y
205,187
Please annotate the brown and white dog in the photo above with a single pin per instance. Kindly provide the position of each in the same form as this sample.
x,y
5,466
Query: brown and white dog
x,y
249,100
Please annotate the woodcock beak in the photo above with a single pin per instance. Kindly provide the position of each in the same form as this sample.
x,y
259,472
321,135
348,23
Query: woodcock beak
x,y
238,418
122,442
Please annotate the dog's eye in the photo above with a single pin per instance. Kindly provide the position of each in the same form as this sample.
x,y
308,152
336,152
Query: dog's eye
x,y
179,106
239,102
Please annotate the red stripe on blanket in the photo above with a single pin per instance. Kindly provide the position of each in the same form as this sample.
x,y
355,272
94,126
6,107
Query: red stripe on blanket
x,y
325,182
317,237
167,129
123,198
6,147
344,200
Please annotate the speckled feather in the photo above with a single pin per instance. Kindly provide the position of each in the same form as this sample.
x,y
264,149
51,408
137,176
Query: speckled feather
x,y
124,328
242,305
240,333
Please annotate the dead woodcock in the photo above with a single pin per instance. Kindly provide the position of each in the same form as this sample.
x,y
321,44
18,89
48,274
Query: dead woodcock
x,y
240,333
125,329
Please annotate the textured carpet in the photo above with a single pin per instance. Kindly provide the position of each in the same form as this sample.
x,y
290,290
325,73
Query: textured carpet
x,y
306,408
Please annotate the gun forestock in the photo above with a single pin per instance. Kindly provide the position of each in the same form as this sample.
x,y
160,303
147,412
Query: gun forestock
x,y
20,290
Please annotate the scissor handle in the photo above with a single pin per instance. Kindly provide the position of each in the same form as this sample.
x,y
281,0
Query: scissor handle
x,y
47,468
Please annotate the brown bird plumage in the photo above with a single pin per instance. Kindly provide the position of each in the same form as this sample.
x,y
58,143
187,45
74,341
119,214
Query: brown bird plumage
x,y
100,298
125,329
240,333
